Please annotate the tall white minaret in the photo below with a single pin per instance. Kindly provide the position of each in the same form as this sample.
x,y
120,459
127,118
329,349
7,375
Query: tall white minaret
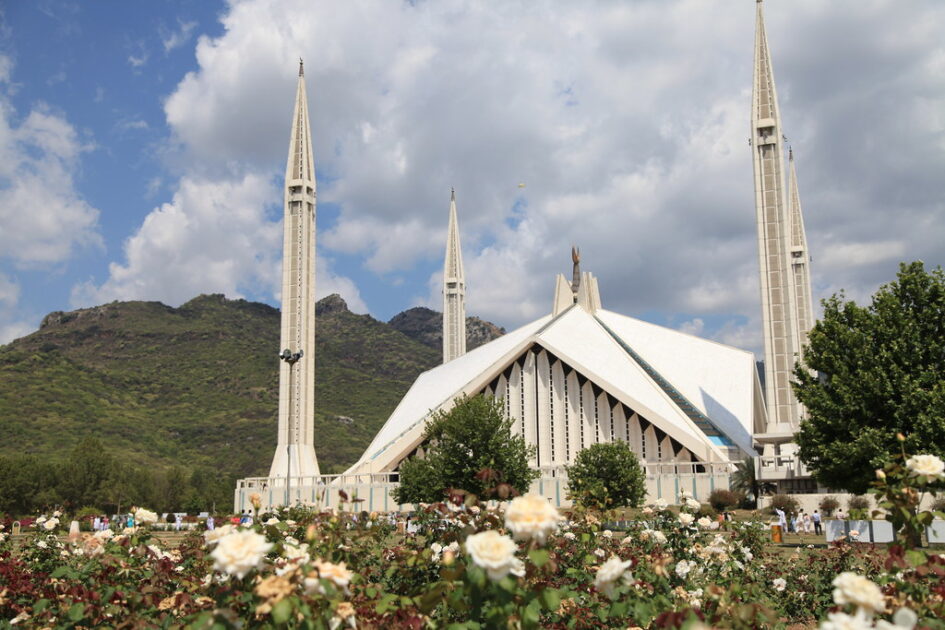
x,y
778,300
295,452
800,260
454,291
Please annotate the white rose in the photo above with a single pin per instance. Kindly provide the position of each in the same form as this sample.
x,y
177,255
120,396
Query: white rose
x,y
600,553
40,520
779,584
240,552
705,522
436,548
627,540
843,621
337,574
57,514
41,544
145,517
105,534
610,573
928,465
686,519
569,535
683,567
659,504
211,536
272,521
904,619
531,517
493,552
851,588
692,504
607,533
51,524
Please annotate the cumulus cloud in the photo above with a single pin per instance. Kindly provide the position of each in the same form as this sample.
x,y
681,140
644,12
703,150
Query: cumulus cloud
x,y
44,217
10,327
627,121
214,236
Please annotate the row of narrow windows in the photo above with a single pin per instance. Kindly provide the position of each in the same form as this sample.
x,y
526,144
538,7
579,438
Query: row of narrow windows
x,y
561,412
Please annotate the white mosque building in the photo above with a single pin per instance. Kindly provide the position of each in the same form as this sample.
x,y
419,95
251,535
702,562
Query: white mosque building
x,y
690,408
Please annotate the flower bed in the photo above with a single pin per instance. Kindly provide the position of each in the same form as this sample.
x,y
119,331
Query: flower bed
x,y
525,566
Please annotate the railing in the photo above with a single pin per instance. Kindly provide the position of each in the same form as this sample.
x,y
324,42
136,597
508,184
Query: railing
x,y
773,467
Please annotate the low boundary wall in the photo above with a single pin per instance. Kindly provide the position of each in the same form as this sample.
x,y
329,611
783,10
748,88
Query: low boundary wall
x,y
372,492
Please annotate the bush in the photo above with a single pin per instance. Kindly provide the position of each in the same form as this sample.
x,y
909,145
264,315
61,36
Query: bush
x,y
784,502
828,505
607,475
722,499
859,507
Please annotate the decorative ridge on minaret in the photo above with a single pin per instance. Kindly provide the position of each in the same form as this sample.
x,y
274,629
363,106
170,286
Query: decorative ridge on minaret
x,y
295,450
454,291
575,271
800,259
779,305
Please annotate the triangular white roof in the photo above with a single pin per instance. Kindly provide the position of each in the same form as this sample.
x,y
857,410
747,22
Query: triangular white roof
x,y
654,370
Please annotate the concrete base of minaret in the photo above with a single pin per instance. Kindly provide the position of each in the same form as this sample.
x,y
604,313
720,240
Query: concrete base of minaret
x,y
294,460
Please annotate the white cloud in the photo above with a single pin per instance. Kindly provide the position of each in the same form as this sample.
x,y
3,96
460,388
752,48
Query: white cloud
x,y
628,121
176,39
43,217
214,236
10,327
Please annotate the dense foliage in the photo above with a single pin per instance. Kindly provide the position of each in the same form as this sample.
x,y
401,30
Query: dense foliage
x,y
870,373
468,449
607,475
468,566
90,476
197,386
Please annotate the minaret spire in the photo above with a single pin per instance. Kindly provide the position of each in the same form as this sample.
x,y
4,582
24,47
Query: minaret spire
x,y
454,291
779,310
800,259
295,451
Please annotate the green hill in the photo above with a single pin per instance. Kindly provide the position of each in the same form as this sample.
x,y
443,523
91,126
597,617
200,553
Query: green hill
x,y
197,385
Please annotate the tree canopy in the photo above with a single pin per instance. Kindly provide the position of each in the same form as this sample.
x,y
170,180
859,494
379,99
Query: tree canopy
x,y
871,372
607,475
469,448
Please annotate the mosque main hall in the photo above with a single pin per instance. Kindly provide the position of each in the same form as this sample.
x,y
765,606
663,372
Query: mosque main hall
x,y
582,374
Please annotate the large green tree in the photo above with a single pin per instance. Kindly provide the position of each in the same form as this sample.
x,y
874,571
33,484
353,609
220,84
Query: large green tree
x,y
607,475
871,372
469,448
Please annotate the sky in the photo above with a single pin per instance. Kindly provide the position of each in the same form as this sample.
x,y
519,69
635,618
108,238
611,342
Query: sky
x,y
143,146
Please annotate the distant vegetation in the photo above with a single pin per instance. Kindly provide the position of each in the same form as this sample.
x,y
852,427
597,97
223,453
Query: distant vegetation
x,y
195,388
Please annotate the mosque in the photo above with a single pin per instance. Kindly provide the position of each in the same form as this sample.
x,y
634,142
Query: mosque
x,y
690,408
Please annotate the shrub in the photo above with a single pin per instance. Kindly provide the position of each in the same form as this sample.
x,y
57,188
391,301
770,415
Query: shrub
x,y
858,507
607,475
784,502
722,499
828,505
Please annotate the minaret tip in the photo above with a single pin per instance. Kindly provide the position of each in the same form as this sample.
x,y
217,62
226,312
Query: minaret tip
x,y
790,153
452,194
301,69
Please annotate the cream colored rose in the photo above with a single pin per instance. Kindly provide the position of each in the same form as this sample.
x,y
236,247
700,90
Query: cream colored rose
x,y
610,574
843,621
493,552
145,517
51,524
705,522
850,588
686,519
240,552
928,465
779,584
211,536
337,574
692,504
105,534
531,517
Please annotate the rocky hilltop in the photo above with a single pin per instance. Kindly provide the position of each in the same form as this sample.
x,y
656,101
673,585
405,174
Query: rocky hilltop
x,y
426,326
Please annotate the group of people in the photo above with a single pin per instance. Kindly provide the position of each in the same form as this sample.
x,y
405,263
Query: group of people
x,y
802,523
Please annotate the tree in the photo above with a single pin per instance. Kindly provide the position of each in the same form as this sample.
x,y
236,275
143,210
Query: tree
x,y
745,481
607,475
871,372
469,448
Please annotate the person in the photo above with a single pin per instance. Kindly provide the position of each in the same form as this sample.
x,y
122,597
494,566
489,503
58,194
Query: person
x,y
96,524
782,519
210,522
816,519
105,523
840,516
807,523
793,522
177,522
130,521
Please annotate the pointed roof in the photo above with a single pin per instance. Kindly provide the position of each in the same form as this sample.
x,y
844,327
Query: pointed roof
x,y
301,161
764,94
699,392
798,236
453,264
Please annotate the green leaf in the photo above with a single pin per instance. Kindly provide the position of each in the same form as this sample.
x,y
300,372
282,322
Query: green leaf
x,y
65,572
281,612
539,557
915,557
550,599
76,611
